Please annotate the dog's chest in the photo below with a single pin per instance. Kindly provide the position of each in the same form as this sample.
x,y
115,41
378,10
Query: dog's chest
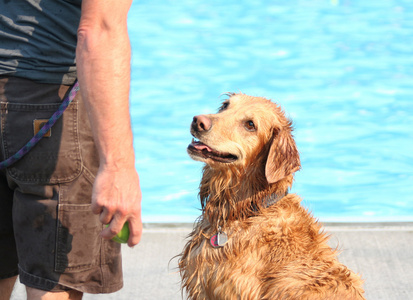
x,y
224,270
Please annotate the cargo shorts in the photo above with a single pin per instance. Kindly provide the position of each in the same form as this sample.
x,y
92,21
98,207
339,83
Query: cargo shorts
x,y
48,233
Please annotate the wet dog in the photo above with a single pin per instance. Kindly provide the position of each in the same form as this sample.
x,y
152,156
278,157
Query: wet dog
x,y
254,240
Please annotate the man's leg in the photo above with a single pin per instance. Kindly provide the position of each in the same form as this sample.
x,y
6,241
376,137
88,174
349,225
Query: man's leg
x,y
35,294
6,287
57,234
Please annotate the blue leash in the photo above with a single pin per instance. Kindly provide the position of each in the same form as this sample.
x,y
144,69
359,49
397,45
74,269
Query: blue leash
x,y
46,127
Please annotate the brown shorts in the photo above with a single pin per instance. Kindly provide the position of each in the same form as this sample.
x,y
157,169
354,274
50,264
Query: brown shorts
x,y
48,233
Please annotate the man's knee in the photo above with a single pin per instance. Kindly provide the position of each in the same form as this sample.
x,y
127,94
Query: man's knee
x,y
6,287
35,294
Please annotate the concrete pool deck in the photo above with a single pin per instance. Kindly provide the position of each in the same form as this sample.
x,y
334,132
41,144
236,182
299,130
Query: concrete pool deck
x,y
381,252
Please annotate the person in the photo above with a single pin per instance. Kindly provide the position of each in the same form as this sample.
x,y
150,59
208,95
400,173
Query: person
x,y
56,201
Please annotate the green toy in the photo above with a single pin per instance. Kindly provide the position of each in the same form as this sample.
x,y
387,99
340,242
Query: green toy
x,y
123,235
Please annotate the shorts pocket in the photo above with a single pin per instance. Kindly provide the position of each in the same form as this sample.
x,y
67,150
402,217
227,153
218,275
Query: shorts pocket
x,y
78,238
55,159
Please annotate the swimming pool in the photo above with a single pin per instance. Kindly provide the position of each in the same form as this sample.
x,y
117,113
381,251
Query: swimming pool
x,y
343,71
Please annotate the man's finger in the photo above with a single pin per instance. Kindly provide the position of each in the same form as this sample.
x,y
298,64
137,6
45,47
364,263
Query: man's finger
x,y
96,209
113,229
105,217
135,232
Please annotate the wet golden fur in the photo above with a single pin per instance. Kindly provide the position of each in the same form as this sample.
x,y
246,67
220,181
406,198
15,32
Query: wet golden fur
x,y
275,252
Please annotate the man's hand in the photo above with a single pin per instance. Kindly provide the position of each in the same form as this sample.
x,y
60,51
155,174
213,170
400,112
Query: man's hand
x,y
117,199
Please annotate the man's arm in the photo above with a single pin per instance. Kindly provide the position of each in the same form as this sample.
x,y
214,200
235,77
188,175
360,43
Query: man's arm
x,y
103,59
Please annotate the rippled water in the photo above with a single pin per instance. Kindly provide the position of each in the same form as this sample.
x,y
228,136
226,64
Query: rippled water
x,y
343,71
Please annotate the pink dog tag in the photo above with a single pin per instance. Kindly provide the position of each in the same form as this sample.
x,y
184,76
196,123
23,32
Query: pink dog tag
x,y
214,240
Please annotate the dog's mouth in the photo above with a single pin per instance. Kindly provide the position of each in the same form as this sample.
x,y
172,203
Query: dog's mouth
x,y
199,149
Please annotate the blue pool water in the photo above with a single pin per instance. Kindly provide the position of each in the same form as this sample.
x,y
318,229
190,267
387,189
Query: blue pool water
x,y
342,69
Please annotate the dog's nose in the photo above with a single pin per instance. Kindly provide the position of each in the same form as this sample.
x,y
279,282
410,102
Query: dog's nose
x,y
201,123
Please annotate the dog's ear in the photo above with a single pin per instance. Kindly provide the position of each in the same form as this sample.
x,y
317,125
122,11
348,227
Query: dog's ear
x,y
283,157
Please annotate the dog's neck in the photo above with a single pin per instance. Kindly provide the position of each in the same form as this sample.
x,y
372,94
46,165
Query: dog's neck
x,y
228,195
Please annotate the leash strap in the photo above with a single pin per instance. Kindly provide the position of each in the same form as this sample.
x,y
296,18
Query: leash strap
x,y
34,140
269,200
272,199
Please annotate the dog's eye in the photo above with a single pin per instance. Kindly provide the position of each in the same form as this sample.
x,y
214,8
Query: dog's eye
x,y
224,106
250,126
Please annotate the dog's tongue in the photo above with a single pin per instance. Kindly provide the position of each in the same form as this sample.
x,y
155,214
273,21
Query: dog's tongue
x,y
200,146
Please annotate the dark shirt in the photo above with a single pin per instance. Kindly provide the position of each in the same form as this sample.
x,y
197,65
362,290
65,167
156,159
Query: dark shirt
x,y
38,39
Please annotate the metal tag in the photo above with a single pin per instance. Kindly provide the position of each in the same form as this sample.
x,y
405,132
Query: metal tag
x,y
219,239
222,238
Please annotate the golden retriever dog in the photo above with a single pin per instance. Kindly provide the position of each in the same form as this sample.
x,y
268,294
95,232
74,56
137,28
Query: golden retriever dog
x,y
254,240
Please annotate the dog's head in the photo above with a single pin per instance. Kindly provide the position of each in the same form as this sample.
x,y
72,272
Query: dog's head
x,y
244,128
